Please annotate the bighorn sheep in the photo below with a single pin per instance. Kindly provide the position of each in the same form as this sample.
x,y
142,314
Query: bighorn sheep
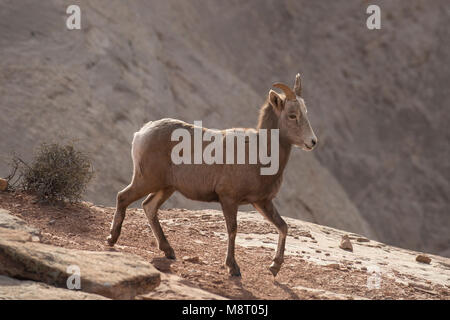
x,y
232,185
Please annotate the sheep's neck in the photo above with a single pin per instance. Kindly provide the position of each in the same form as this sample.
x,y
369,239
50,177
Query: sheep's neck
x,y
269,120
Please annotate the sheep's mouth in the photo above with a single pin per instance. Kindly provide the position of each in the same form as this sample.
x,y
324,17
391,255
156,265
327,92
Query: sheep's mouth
x,y
303,146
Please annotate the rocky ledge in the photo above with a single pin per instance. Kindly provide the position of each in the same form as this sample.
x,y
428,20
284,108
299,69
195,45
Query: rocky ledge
x,y
38,243
102,275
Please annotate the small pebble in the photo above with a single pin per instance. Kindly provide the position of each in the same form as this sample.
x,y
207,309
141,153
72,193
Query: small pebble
x,y
195,259
423,259
346,244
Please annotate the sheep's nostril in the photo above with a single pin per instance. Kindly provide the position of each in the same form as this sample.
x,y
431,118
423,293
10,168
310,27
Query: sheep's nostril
x,y
313,142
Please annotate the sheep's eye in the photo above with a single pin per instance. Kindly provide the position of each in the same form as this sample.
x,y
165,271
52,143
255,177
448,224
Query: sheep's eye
x,y
292,117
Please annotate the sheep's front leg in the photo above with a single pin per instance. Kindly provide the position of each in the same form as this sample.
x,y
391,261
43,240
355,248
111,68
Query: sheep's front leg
x,y
268,210
230,208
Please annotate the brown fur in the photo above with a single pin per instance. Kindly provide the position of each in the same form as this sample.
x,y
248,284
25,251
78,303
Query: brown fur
x,y
156,176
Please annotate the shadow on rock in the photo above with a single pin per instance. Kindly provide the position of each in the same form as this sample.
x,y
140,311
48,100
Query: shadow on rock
x,y
288,290
162,264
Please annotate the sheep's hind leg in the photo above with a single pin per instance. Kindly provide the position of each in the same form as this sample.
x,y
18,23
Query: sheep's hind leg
x,y
151,206
125,197
267,209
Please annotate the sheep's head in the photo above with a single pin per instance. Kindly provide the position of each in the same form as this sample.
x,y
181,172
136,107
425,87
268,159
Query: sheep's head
x,y
292,114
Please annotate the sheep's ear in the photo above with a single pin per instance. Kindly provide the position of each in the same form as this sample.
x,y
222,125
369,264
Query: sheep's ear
x,y
276,101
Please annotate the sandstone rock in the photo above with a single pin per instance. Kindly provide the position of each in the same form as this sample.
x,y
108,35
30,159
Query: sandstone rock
x,y
423,259
9,221
3,184
369,258
173,287
346,243
13,289
15,235
327,295
114,275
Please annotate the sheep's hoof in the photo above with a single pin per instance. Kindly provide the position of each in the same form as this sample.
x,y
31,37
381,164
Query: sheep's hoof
x,y
111,241
170,254
275,268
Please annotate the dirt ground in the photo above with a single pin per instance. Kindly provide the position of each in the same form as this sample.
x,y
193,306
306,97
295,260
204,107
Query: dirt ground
x,y
201,253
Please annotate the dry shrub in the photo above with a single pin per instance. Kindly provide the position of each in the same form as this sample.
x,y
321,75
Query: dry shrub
x,y
57,173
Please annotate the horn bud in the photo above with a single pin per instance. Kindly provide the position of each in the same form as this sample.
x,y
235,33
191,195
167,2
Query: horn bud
x,y
298,85
290,95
